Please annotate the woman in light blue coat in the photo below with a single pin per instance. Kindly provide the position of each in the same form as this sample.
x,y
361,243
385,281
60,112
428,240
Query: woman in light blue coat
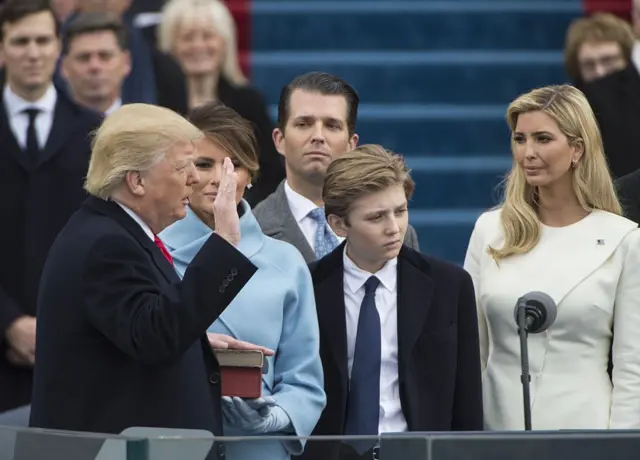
x,y
276,309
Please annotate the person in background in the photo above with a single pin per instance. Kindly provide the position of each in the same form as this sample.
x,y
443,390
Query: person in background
x,y
44,155
317,115
96,61
398,329
201,35
155,78
113,312
278,300
63,8
615,100
628,187
597,46
559,231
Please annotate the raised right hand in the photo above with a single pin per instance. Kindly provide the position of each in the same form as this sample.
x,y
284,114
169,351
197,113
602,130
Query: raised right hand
x,y
225,208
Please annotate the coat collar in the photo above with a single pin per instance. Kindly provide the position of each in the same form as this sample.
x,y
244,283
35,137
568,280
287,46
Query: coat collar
x,y
592,240
114,211
68,119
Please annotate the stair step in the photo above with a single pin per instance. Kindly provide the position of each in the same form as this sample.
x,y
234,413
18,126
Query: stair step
x,y
463,77
438,190
444,233
438,129
317,25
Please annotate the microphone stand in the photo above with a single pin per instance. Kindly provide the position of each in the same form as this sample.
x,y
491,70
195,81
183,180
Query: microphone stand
x,y
525,378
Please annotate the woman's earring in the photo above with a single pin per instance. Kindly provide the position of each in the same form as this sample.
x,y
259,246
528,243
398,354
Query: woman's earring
x,y
573,164
249,185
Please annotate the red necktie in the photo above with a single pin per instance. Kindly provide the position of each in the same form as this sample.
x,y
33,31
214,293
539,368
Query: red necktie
x,y
163,249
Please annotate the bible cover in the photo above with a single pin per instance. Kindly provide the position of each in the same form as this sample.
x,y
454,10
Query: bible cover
x,y
240,372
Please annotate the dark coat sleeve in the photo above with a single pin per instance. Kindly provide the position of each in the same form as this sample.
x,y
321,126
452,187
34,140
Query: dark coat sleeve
x,y
468,409
153,325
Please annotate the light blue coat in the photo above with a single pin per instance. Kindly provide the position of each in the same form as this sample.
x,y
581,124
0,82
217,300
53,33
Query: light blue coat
x,y
276,309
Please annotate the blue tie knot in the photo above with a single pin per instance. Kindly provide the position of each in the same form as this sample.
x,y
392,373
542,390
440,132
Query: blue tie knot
x,y
318,215
371,285
325,240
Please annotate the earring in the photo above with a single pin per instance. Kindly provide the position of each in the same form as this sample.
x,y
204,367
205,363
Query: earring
x,y
249,185
573,163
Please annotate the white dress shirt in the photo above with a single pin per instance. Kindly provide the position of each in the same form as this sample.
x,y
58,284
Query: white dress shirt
x,y
19,121
116,105
391,417
138,220
300,208
635,55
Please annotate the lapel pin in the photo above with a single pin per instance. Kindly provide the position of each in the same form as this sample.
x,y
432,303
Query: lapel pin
x,y
600,242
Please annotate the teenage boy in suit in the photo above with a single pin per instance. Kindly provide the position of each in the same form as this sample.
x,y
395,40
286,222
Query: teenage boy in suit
x,y
398,329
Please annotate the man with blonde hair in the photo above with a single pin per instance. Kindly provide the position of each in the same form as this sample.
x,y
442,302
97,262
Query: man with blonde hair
x,y
121,340
389,314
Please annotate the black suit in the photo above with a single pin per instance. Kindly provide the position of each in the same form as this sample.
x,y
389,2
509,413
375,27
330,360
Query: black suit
x,y
629,193
615,100
438,351
121,340
37,204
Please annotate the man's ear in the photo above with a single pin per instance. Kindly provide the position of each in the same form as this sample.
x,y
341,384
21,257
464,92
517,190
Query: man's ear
x,y
278,140
135,183
338,225
353,142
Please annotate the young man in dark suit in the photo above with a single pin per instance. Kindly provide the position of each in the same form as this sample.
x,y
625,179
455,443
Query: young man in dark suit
x,y
121,340
398,329
44,155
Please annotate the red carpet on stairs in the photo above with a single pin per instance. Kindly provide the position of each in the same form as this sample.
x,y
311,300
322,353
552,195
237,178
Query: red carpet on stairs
x,y
621,8
241,10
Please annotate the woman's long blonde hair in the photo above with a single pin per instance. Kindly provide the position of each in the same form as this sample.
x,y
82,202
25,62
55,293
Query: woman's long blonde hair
x,y
592,183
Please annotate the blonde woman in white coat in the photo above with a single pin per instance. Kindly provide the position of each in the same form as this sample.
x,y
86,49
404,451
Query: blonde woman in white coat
x,y
559,230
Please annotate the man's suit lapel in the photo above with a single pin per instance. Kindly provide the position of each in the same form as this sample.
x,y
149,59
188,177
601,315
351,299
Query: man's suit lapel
x,y
328,283
65,124
283,225
113,210
415,291
9,143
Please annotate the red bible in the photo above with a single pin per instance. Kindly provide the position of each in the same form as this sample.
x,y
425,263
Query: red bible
x,y
240,372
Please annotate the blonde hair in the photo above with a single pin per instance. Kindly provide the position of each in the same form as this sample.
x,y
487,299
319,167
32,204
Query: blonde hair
x,y
592,183
230,132
599,28
365,170
177,12
135,137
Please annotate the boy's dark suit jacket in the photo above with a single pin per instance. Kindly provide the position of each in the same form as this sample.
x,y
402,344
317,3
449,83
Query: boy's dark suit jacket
x,y
121,341
438,351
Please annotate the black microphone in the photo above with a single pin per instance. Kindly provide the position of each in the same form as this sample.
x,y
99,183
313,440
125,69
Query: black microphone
x,y
534,313
540,311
